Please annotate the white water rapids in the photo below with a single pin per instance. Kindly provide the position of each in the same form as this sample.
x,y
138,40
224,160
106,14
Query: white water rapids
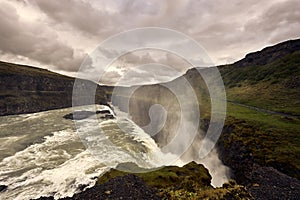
x,y
42,155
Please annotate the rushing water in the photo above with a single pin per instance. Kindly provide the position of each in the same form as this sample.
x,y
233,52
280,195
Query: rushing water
x,y
41,154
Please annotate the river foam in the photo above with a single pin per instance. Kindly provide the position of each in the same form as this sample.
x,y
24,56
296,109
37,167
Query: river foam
x,y
59,164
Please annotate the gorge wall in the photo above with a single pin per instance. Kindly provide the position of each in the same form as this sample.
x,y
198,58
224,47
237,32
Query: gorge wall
x,y
25,89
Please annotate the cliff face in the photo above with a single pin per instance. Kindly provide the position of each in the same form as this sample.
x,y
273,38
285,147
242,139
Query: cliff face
x,y
25,89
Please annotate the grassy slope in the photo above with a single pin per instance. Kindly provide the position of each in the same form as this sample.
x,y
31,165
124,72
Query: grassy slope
x,y
274,86
272,139
11,69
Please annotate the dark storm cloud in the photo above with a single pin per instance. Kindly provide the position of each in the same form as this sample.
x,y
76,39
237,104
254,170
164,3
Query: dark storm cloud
x,y
142,57
79,14
33,41
280,21
58,33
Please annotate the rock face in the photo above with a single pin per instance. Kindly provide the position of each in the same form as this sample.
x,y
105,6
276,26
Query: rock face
x,y
25,89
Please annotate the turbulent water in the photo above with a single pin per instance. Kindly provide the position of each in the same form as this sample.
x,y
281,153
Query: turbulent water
x,y
41,154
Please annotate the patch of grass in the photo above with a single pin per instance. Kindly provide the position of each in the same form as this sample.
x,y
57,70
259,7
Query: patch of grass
x,y
264,121
191,181
168,176
273,140
268,96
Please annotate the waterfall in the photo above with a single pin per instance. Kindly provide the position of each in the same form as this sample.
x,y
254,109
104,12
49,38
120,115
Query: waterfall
x,y
171,117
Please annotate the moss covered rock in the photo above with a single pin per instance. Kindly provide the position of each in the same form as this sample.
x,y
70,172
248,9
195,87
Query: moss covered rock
x,y
191,181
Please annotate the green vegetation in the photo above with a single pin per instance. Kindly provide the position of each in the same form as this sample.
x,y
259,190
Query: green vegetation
x,y
273,140
274,86
191,181
12,69
167,176
229,191
262,120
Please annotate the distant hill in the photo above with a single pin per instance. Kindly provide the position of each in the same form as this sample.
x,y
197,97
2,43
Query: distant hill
x,y
269,54
269,78
26,89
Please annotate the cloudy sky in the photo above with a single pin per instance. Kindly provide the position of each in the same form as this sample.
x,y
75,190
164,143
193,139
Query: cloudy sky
x,y
59,34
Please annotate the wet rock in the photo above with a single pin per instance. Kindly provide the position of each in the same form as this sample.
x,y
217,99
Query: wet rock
x,y
79,115
109,116
3,188
102,112
81,187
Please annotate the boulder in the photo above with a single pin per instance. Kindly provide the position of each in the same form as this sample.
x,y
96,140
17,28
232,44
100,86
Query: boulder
x,y
79,115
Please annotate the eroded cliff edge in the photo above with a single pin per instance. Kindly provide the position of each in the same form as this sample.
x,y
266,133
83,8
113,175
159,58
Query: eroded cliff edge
x,y
25,89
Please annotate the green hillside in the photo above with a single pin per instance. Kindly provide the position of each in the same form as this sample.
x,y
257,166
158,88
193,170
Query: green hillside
x,y
273,86
263,110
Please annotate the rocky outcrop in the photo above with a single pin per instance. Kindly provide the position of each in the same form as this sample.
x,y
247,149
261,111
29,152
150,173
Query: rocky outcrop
x,y
25,89
191,181
168,176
